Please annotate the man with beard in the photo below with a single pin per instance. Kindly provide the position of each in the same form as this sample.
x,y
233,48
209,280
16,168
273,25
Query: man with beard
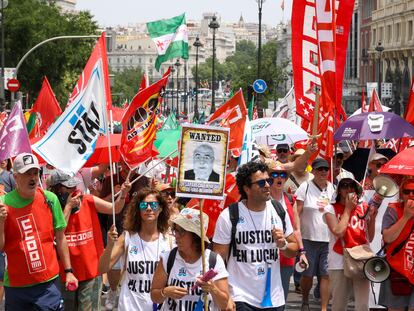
x,y
30,221
203,162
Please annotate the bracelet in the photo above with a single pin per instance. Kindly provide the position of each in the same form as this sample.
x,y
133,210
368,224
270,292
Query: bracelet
x,y
69,270
301,251
162,293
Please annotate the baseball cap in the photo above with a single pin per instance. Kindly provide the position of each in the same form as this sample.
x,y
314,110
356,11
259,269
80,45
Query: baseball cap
x,y
319,162
189,220
282,146
24,162
59,177
162,187
378,156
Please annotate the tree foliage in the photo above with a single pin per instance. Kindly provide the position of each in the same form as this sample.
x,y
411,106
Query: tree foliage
x,y
241,68
126,84
29,22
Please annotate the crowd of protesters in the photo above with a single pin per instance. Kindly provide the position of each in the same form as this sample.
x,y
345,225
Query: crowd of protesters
x,y
62,249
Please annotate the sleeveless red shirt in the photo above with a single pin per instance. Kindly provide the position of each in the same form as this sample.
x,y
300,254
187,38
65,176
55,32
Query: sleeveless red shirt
x,y
84,237
29,236
403,260
288,262
355,233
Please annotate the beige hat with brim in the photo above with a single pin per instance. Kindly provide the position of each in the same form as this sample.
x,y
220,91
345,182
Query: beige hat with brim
x,y
189,220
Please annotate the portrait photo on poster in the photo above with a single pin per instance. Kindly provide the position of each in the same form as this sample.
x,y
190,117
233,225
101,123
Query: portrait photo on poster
x,y
202,162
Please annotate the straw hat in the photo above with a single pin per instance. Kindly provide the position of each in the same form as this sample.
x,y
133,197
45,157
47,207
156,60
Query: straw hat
x,y
189,220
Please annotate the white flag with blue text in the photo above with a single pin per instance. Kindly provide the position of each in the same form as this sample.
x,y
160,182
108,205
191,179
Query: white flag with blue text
x,y
247,148
71,140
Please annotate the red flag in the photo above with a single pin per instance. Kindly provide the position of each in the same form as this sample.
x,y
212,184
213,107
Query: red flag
x,y
363,101
139,124
46,106
98,55
374,103
236,119
409,111
144,83
255,114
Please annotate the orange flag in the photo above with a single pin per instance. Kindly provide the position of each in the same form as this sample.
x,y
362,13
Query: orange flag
x,y
46,106
236,118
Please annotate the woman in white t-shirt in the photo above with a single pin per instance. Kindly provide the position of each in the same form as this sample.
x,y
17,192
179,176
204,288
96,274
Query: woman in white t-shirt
x,y
175,288
143,241
348,230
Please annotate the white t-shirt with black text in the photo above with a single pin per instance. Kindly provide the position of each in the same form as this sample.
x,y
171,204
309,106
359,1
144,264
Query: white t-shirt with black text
x,y
184,274
256,253
312,225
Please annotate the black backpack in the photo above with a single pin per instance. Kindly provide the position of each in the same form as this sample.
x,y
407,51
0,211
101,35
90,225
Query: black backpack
x,y
234,218
212,259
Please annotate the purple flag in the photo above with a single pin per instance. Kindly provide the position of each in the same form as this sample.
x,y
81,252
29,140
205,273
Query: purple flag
x,y
13,135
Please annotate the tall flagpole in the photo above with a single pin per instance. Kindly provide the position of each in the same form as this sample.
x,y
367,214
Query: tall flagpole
x,y
110,166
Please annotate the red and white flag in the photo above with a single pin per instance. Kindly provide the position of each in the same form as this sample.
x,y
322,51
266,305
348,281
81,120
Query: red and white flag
x,y
409,111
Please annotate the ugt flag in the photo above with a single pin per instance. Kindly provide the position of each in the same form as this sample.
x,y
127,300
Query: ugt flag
x,y
170,37
71,140
13,135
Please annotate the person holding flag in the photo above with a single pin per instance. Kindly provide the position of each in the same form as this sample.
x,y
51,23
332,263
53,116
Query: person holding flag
x,y
31,220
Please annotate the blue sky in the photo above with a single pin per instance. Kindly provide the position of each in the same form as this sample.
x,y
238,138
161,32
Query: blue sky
x,y
123,12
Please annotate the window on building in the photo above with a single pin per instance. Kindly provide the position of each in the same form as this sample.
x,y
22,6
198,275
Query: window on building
x,y
381,34
374,37
117,60
139,47
130,61
150,60
398,32
139,60
389,34
410,30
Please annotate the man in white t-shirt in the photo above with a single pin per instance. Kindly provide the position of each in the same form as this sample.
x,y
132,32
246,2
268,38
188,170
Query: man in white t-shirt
x,y
258,238
311,199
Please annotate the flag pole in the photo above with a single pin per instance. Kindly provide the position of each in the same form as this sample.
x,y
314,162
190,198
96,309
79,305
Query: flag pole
x,y
150,169
203,257
110,166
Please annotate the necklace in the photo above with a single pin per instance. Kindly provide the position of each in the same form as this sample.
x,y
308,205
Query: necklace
x,y
143,249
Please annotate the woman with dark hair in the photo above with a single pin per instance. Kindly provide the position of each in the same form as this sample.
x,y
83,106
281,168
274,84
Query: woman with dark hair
x,y
173,285
144,239
348,230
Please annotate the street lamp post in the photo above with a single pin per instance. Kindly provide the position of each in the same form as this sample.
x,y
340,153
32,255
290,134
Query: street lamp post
x,y
177,65
213,25
259,53
379,48
4,4
197,44
172,89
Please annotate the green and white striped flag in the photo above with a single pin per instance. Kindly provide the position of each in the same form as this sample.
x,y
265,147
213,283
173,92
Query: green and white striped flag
x,y
170,37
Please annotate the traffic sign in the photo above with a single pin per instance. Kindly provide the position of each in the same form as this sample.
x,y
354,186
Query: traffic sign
x,y
259,86
13,85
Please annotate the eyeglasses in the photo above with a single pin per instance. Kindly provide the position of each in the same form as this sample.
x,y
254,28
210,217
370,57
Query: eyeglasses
x,y
200,157
347,185
340,156
262,182
277,174
408,191
178,231
320,169
282,150
168,194
153,205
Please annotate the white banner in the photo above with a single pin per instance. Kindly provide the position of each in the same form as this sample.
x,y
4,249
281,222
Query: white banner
x,y
71,140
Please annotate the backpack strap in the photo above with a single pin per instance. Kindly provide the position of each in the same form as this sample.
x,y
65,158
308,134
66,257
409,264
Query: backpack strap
x,y
280,212
171,259
212,260
234,218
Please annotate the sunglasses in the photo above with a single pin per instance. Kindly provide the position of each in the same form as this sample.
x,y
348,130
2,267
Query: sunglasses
x,y
169,193
347,185
262,182
340,156
320,169
378,165
178,231
408,191
276,175
153,205
282,150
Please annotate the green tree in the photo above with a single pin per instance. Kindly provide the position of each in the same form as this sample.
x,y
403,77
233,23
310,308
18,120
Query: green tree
x,y
126,85
27,23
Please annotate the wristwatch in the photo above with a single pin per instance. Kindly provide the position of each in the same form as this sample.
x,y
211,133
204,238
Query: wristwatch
x,y
285,246
69,270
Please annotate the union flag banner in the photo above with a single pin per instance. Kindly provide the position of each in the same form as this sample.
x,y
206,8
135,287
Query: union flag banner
x,y
98,54
139,123
235,113
46,106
